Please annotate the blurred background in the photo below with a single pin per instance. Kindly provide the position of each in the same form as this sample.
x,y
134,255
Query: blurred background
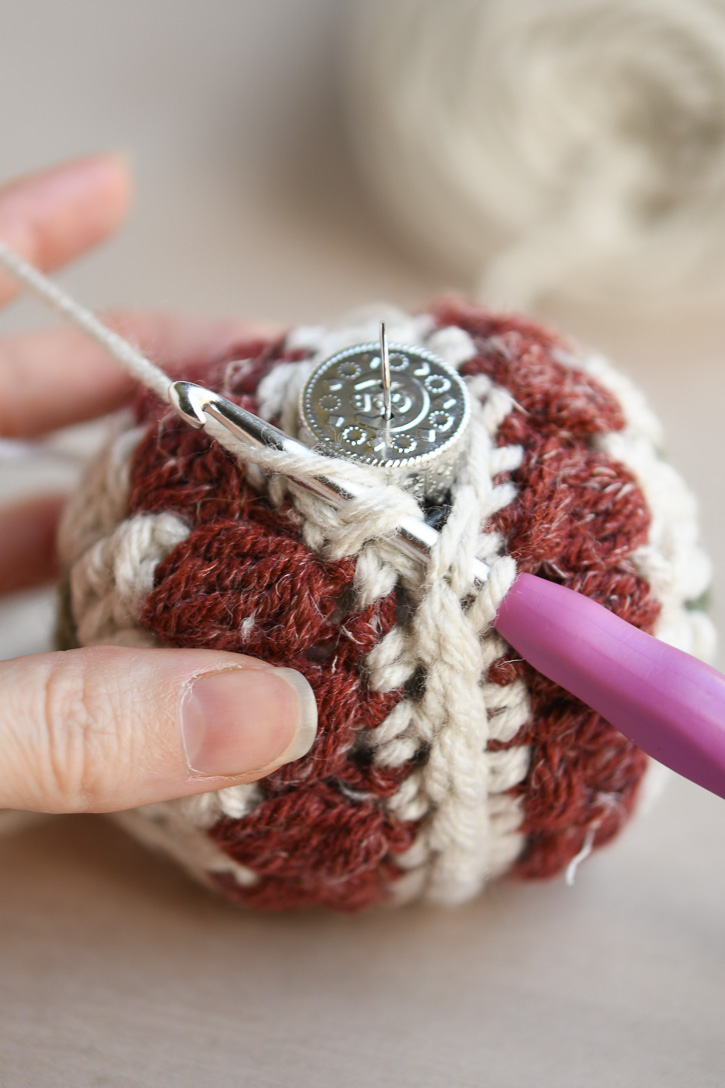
x,y
294,160
247,199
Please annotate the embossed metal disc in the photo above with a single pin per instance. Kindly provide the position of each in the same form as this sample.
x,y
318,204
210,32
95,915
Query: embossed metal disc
x,y
343,413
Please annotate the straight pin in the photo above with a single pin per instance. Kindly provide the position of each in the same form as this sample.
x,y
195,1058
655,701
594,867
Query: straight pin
x,y
385,360
385,368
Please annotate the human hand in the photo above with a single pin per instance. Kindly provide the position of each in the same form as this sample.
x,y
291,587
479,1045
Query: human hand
x,y
107,728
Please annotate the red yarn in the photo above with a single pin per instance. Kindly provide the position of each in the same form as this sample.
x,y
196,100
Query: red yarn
x,y
243,559
244,581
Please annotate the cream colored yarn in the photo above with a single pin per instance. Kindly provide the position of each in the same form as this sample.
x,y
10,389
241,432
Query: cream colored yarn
x,y
539,146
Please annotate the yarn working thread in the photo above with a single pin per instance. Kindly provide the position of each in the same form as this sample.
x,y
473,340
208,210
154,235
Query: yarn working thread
x,y
574,146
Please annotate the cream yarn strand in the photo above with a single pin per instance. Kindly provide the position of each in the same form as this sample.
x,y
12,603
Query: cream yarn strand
x,y
573,146
53,296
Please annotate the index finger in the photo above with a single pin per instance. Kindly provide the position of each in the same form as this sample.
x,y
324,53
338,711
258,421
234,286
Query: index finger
x,y
52,216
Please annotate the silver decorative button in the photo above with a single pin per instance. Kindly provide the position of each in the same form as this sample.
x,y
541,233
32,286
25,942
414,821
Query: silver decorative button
x,y
395,406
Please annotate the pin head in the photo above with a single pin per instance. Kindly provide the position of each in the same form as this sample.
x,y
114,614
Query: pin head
x,y
343,412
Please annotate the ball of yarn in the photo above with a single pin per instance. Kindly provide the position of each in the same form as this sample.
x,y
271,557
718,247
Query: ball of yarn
x,y
573,146
442,759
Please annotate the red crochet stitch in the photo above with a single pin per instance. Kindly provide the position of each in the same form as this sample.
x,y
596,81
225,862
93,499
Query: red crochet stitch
x,y
322,835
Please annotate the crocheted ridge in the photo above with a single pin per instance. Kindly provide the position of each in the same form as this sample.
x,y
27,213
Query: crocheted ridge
x,y
441,760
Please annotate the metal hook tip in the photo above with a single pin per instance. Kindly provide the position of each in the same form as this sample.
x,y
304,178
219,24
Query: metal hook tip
x,y
189,401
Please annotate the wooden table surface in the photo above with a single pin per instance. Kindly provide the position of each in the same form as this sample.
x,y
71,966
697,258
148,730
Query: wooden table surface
x,y
115,971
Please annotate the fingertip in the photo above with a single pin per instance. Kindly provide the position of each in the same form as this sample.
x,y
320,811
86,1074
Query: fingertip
x,y
105,179
124,157
115,171
53,215
246,721
106,728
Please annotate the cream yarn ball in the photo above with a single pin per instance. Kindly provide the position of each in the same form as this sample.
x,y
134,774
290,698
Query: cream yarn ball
x,y
541,146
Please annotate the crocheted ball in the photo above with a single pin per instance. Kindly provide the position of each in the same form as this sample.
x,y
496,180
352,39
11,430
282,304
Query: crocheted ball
x,y
442,759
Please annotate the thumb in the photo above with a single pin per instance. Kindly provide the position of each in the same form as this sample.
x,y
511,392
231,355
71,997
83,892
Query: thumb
x,y
108,728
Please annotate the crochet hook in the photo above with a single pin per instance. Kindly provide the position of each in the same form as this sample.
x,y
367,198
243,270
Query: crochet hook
x,y
667,702
194,403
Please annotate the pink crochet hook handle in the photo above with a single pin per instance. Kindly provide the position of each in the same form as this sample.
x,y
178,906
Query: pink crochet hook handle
x,y
669,703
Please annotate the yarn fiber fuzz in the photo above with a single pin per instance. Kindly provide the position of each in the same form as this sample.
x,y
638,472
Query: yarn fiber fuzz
x,y
442,760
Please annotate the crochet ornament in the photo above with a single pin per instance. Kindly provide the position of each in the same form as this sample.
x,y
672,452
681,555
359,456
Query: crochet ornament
x,y
443,760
